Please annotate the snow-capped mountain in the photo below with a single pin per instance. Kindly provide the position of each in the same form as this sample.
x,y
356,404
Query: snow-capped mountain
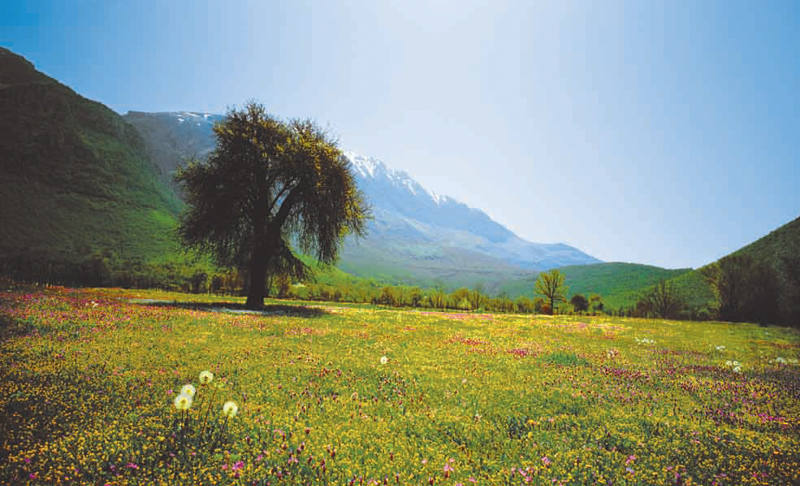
x,y
403,205
416,235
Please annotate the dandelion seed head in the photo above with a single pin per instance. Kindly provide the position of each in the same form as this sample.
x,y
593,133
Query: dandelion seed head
x,y
230,409
206,377
183,402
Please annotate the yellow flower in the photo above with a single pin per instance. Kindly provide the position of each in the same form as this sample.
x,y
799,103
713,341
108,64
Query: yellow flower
x,y
206,377
230,409
188,390
183,401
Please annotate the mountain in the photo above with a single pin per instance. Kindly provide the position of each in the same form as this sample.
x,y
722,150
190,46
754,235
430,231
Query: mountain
x,y
75,180
416,237
173,138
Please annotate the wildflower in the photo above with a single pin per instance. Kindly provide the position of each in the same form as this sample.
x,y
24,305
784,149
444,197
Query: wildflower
x,y
384,360
183,402
720,348
206,377
188,390
230,409
546,461
448,468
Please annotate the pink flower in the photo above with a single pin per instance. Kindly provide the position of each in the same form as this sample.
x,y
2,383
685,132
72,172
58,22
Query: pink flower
x,y
238,465
132,465
546,461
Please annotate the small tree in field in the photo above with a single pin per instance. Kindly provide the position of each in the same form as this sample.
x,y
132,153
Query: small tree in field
x,y
579,303
596,303
663,300
267,183
551,286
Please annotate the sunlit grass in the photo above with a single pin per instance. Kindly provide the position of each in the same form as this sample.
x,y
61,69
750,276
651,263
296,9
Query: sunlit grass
x,y
88,386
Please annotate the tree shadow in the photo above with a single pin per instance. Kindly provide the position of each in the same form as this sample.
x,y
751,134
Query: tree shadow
x,y
237,308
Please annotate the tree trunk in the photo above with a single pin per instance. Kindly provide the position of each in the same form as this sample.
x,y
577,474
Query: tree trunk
x,y
258,280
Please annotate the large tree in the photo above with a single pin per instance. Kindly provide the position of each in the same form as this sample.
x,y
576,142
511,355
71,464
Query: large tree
x,y
269,183
551,286
745,289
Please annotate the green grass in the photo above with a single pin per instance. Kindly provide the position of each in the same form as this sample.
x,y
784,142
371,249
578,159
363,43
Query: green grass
x,y
88,379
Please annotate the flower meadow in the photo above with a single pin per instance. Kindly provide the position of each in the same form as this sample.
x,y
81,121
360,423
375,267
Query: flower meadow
x,y
113,387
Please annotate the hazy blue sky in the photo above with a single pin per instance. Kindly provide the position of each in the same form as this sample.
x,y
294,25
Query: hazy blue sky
x,y
663,133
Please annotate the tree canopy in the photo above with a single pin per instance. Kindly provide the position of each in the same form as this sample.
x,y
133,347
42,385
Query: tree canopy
x,y
269,183
745,289
662,300
579,302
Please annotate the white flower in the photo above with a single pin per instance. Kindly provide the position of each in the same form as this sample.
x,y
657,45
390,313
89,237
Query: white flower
x,y
230,409
183,402
384,360
737,369
780,360
206,377
720,348
188,390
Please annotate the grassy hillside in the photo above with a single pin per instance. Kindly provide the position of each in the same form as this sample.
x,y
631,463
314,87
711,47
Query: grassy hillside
x,y
618,283
779,250
76,179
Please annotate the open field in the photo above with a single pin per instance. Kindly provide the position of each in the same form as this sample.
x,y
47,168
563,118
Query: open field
x,y
88,379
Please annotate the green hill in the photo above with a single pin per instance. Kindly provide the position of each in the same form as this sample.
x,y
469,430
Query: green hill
x,y
618,283
780,250
76,181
